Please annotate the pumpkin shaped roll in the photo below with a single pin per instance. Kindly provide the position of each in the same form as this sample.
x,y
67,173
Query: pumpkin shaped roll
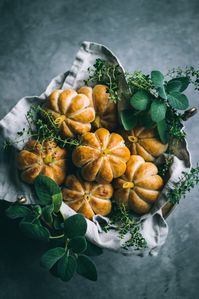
x,y
144,142
101,156
73,112
139,187
105,110
88,198
47,159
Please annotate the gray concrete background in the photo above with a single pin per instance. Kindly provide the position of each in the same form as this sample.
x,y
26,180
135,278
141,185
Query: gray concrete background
x,y
38,40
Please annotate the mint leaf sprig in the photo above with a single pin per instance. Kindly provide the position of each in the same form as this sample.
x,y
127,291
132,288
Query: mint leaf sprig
x,y
155,103
187,182
107,73
44,222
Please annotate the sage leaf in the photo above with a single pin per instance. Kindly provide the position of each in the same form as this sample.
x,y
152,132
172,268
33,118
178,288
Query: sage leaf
x,y
157,78
178,100
128,119
141,100
78,244
163,131
66,267
50,257
58,222
184,81
47,213
92,249
57,201
86,268
158,110
34,231
45,187
18,211
37,210
162,92
173,85
75,226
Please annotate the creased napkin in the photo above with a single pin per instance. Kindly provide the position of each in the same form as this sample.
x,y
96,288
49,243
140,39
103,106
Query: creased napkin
x,y
153,225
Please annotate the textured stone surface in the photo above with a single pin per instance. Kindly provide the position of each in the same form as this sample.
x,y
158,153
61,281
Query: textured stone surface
x,y
38,40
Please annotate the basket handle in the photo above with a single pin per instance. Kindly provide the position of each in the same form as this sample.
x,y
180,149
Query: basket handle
x,y
189,113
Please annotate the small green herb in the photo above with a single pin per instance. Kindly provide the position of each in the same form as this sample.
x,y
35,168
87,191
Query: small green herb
x,y
139,81
164,167
42,127
187,182
107,73
174,123
126,223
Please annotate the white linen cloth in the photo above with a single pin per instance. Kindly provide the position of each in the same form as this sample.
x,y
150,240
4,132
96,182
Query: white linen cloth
x,y
153,226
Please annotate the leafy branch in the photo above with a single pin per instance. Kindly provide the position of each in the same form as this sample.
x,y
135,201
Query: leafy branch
x,y
107,73
184,185
43,221
125,223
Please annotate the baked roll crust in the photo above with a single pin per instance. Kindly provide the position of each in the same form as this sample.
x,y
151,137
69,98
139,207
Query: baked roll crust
x,y
144,142
101,156
47,159
88,198
139,187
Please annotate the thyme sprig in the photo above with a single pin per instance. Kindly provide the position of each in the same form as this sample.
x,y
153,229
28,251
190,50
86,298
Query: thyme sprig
x,y
125,223
42,127
187,182
107,73
139,80
163,168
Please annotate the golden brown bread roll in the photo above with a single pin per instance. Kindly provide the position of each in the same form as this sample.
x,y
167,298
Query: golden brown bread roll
x,y
139,187
105,110
144,142
72,112
101,156
47,159
88,198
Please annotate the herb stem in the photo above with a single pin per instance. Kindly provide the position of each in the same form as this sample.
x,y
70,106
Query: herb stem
x,y
57,237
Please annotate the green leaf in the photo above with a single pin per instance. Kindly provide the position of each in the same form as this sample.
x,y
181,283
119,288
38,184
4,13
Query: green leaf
x,y
37,210
157,78
162,92
178,100
58,222
78,244
75,226
50,257
128,119
173,85
163,131
158,110
18,211
34,231
45,188
47,213
86,267
92,250
141,100
57,201
184,81
66,267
